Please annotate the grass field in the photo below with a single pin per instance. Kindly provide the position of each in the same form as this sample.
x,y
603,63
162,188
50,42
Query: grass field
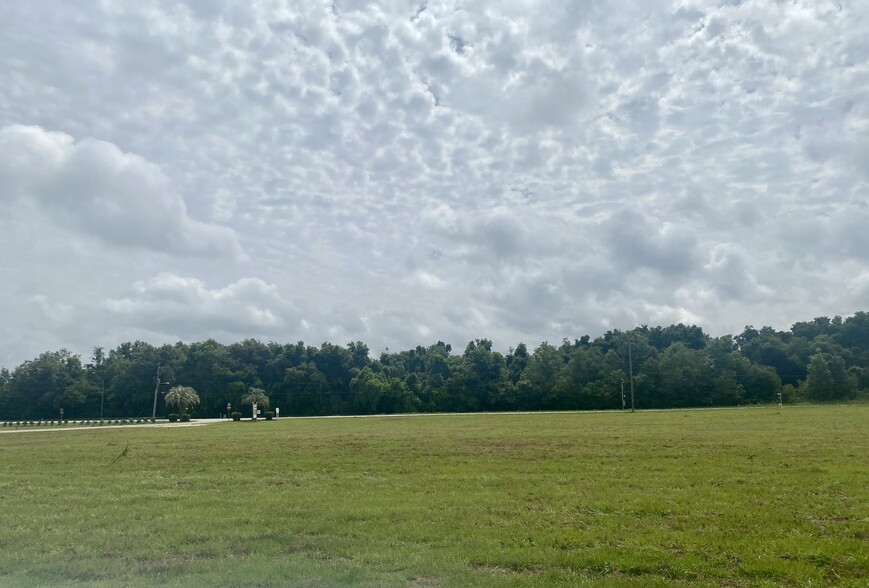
x,y
751,497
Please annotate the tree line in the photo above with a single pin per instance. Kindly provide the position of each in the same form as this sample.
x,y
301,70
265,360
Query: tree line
x,y
674,366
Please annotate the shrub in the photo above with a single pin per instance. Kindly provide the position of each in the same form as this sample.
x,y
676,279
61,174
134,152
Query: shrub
x,y
269,415
173,417
185,418
236,416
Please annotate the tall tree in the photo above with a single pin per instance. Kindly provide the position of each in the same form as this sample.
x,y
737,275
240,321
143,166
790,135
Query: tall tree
x,y
828,379
40,387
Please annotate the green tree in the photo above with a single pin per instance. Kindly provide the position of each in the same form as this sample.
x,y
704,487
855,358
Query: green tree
x,y
855,331
828,379
537,384
5,378
40,387
128,376
684,376
209,367
183,397
307,391
778,350
591,379
379,393
762,384
256,396
517,361
692,336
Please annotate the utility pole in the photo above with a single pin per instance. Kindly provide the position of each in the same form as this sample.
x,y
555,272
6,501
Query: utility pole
x,y
156,389
623,394
631,368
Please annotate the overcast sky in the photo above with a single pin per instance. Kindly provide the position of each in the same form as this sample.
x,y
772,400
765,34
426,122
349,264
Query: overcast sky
x,y
400,172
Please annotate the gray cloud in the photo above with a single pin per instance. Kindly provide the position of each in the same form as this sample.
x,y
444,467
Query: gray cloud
x,y
181,306
519,172
94,187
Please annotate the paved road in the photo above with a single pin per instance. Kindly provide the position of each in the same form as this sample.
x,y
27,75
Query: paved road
x,y
199,422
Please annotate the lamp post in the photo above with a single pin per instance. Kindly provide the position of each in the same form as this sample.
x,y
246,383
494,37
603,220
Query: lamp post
x,y
157,389
623,394
631,367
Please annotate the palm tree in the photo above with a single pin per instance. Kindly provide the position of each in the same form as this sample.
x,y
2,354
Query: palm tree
x,y
183,397
256,396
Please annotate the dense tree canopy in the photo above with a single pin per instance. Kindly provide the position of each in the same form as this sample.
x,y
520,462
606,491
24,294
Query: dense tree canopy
x,y
675,366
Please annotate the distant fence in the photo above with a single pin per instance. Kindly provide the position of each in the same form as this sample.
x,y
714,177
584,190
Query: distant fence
x,y
79,422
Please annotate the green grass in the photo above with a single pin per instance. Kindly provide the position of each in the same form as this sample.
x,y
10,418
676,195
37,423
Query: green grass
x,y
752,497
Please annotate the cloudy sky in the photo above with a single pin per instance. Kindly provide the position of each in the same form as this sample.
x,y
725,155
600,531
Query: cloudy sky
x,y
404,171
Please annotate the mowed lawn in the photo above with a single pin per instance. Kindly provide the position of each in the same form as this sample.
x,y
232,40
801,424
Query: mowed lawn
x,y
746,497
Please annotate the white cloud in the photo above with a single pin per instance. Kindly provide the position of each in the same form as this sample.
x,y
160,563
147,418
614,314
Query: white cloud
x,y
519,171
95,187
168,303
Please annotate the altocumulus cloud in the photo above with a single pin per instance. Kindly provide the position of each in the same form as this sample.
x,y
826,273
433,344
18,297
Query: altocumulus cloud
x,y
401,172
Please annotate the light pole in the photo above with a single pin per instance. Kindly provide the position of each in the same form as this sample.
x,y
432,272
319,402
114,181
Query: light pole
x,y
631,368
623,394
157,389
